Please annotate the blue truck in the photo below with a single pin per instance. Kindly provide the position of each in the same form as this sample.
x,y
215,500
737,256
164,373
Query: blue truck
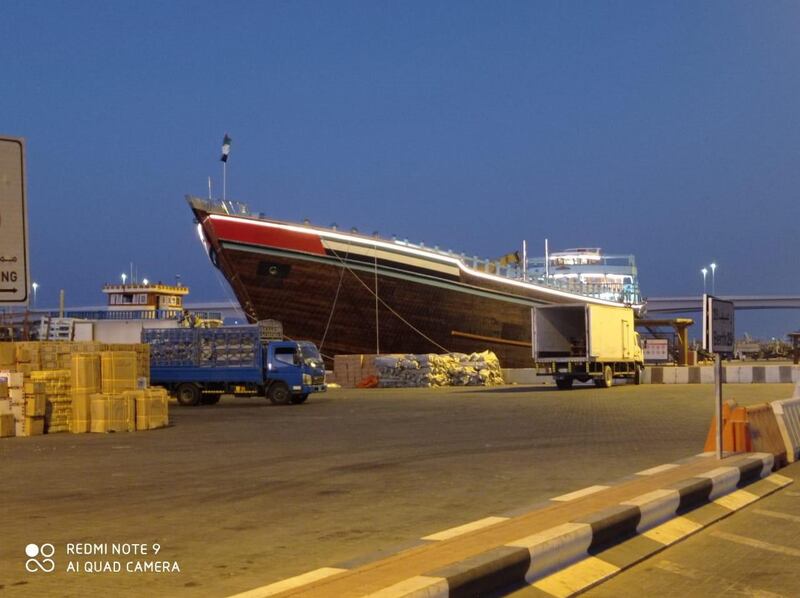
x,y
199,365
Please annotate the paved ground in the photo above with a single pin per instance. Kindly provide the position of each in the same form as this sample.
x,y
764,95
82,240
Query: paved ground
x,y
243,493
755,552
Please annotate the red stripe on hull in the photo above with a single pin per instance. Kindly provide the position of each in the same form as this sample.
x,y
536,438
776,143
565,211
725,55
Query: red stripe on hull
x,y
253,234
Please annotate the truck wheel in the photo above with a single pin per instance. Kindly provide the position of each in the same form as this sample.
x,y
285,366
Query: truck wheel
x,y
638,375
279,394
297,399
210,399
564,383
188,394
607,380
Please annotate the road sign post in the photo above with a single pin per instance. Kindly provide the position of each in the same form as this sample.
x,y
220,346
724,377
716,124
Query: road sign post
x,y
14,269
718,337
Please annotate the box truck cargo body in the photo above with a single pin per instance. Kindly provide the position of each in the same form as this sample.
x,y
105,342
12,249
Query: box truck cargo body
x,y
586,342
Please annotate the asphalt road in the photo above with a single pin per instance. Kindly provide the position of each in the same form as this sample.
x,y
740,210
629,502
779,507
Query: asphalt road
x,y
244,493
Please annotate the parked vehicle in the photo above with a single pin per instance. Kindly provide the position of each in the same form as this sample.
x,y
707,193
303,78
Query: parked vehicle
x,y
199,365
586,342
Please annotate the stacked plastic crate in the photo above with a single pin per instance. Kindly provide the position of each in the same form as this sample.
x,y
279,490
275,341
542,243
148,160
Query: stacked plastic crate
x,y
58,396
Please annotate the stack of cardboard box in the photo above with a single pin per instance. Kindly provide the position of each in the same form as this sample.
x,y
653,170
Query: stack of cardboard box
x,y
58,398
118,370
6,416
142,357
58,386
52,355
151,407
86,381
27,412
7,425
112,413
349,370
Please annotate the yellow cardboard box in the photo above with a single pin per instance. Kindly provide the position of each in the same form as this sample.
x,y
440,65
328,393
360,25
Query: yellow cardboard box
x,y
81,413
86,373
34,388
13,379
35,405
8,354
27,351
30,426
152,409
112,413
7,425
118,371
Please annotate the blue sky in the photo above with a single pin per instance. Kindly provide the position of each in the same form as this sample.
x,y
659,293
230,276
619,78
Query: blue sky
x,y
667,130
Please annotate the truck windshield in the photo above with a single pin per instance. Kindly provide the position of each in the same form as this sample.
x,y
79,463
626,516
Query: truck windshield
x,y
310,355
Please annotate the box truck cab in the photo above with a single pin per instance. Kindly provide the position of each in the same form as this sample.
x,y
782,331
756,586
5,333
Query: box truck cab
x,y
586,342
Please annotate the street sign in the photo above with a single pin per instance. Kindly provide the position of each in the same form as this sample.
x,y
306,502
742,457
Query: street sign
x,y
656,349
13,223
718,325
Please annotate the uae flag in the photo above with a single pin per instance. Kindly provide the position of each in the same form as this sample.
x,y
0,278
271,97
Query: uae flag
x,y
226,148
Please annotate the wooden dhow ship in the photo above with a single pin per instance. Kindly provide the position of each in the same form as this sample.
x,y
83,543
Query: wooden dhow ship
x,y
352,293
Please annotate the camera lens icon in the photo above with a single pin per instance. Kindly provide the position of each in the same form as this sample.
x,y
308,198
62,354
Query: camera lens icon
x,y
44,563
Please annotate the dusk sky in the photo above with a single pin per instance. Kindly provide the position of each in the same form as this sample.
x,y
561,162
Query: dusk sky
x,y
670,130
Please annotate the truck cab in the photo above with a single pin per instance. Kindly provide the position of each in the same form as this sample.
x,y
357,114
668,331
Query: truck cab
x,y
293,370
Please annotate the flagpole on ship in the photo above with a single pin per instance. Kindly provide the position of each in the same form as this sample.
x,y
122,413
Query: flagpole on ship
x,y
226,150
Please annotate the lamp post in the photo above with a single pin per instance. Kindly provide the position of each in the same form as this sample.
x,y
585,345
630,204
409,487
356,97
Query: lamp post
x,y
124,277
713,267
34,286
704,271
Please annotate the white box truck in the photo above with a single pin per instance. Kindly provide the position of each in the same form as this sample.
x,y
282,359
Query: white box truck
x,y
586,342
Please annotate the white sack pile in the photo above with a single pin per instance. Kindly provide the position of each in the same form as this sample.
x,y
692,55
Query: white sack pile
x,y
429,369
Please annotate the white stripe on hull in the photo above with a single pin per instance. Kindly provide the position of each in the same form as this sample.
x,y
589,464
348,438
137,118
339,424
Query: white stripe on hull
x,y
347,249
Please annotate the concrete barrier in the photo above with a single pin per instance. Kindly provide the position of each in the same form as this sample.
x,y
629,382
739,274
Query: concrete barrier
x,y
555,548
656,374
669,376
533,558
765,434
731,374
787,413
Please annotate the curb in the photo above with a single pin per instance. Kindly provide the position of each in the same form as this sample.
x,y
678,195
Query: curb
x,y
655,519
528,560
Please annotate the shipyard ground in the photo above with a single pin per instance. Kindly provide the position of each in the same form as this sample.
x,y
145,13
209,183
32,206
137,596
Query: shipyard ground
x,y
244,493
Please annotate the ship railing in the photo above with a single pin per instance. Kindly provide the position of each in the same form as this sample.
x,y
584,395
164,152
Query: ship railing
x,y
225,206
134,314
621,293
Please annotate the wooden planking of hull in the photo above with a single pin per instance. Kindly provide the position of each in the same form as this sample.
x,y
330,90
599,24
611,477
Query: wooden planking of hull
x,y
322,285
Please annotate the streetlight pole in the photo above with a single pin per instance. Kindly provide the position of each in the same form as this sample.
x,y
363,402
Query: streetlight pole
x,y
123,277
704,271
34,286
713,267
